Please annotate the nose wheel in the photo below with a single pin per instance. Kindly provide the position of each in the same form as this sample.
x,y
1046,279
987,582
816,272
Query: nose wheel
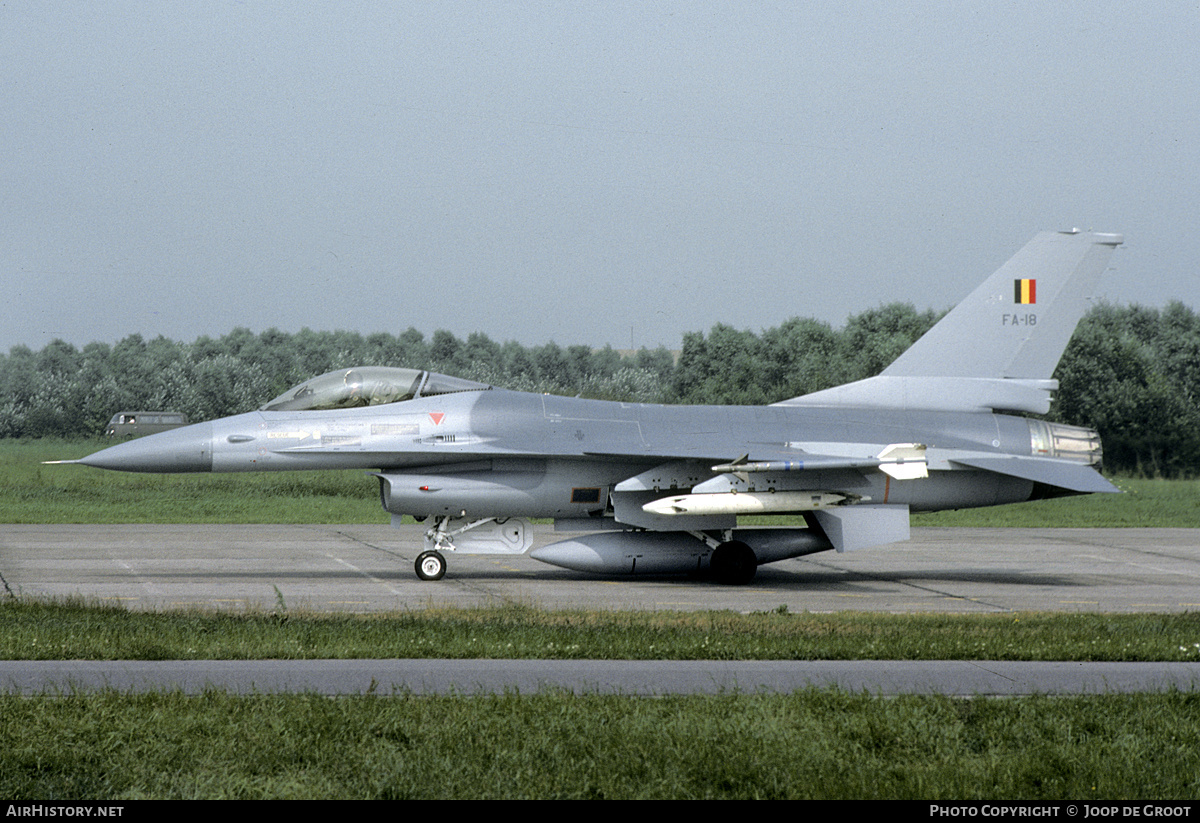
x,y
430,565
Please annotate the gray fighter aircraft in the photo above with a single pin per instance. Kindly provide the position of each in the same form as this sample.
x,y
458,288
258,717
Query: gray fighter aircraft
x,y
651,489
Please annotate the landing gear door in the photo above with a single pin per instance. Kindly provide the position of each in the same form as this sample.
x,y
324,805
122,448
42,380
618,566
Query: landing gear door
x,y
512,535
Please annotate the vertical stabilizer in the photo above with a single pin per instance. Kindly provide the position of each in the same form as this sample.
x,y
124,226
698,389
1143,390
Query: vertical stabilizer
x,y
1017,324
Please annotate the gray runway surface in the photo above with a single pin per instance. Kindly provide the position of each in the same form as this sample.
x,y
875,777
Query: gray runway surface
x,y
370,568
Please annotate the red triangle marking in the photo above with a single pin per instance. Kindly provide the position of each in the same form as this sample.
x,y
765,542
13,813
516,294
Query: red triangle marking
x,y
436,417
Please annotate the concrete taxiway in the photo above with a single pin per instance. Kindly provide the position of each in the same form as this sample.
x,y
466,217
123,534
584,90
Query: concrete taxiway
x,y
363,568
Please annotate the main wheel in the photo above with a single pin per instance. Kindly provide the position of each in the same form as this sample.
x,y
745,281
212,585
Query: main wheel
x,y
430,566
733,563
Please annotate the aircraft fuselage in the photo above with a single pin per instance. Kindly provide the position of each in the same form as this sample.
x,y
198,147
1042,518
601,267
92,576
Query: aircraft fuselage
x,y
505,453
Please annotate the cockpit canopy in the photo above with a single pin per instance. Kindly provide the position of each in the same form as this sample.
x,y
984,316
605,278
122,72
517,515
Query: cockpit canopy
x,y
367,386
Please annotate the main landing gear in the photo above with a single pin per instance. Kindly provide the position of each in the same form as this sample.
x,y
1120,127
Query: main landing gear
x,y
733,562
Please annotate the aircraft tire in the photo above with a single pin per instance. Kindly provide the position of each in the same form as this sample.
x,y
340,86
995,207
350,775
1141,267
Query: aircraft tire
x,y
430,566
733,563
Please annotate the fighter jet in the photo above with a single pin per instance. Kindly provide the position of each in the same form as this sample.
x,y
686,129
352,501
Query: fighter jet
x,y
660,489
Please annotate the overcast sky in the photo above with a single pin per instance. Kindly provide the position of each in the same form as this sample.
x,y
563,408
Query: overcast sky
x,y
590,173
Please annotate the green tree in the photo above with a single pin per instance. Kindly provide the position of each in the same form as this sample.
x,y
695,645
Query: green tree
x,y
1123,373
446,353
804,357
876,337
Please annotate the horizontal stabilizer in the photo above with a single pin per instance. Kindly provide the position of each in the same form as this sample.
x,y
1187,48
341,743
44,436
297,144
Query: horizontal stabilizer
x,y
1062,474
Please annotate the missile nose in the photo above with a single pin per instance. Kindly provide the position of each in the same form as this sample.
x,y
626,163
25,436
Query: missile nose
x,y
187,449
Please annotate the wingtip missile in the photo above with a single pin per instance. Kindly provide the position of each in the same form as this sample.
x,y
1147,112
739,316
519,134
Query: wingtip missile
x,y
902,461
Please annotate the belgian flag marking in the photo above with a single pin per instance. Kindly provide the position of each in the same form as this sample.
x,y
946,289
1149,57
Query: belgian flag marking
x,y
1025,291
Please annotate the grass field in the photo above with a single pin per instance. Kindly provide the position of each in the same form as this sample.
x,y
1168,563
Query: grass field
x,y
813,744
77,631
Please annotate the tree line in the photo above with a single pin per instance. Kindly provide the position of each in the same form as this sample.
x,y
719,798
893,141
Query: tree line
x,y
1131,372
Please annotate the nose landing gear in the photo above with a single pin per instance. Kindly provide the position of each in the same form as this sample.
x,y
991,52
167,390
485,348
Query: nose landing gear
x,y
430,565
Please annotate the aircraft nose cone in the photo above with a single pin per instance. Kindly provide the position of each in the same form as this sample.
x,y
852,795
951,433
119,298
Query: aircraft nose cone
x,y
188,449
